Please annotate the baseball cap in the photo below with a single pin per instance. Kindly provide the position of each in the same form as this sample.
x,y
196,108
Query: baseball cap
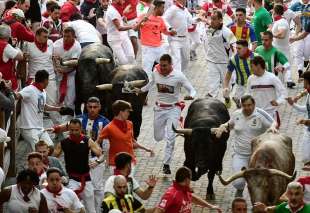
x,y
18,12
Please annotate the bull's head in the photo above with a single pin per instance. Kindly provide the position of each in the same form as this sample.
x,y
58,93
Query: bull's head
x,y
203,151
264,185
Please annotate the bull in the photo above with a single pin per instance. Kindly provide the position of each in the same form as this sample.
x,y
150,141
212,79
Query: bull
x,y
271,168
123,80
97,76
203,151
93,68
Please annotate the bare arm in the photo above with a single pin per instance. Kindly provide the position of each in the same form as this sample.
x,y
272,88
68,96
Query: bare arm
x,y
198,201
227,79
51,108
145,194
94,147
57,150
119,27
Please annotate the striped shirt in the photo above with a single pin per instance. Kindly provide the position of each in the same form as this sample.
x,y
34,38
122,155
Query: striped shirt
x,y
242,67
246,32
126,204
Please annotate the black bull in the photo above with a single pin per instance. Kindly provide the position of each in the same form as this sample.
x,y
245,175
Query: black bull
x,y
90,74
203,151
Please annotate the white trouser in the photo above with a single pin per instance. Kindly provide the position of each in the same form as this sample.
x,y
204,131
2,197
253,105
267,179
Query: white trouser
x,y
70,93
87,196
302,52
238,162
163,120
123,50
96,175
23,147
194,40
215,77
52,98
149,56
306,147
238,91
180,49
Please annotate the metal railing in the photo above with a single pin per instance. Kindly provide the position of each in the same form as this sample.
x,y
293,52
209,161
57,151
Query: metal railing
x,y
7,149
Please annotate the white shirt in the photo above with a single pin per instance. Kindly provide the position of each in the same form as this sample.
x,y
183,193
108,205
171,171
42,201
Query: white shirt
x,y
17,204
266,88
132,186
289,15
112,32
218,44
169,87
39,60
9,52
281,44
179,20
247,128
84,31
73,53
32,108
66,199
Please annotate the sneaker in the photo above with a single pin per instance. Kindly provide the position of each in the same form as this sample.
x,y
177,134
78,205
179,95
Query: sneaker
x,y
166,169
193,55
290,84
300,73
239,193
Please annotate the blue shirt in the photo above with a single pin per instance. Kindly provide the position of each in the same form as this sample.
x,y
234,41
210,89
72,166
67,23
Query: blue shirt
x,y
305,14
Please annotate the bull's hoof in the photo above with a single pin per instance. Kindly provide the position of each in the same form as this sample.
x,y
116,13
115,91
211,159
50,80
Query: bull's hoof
x,y
210,197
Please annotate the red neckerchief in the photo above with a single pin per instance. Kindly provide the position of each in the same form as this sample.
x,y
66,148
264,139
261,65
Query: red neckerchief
x,y
55,193
41,47
179,5
219,4
122,125
68,45
277,18
285,8
40,172
248,53
38,86
182,188
157,67
45,14
76,139
298,207
119,8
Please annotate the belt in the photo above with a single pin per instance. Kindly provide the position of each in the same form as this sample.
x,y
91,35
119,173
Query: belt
x,y
181,36
82,178
180,104
164,105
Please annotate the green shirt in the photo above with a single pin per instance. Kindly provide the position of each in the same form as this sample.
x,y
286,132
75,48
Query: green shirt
x,y
271,56
283,208
261,19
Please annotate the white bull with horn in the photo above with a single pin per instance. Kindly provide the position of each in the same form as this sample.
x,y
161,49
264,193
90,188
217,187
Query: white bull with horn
x,y
271,168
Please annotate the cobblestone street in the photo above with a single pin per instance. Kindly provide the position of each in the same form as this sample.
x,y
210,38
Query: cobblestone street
x,y
224,195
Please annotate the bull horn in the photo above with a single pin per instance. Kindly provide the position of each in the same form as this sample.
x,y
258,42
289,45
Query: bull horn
x,y
102,60
69,63
283,174
136,83
186,131
232,178
104,87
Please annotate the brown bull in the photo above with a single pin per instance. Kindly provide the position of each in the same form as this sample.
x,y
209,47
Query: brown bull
x,y
271,168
